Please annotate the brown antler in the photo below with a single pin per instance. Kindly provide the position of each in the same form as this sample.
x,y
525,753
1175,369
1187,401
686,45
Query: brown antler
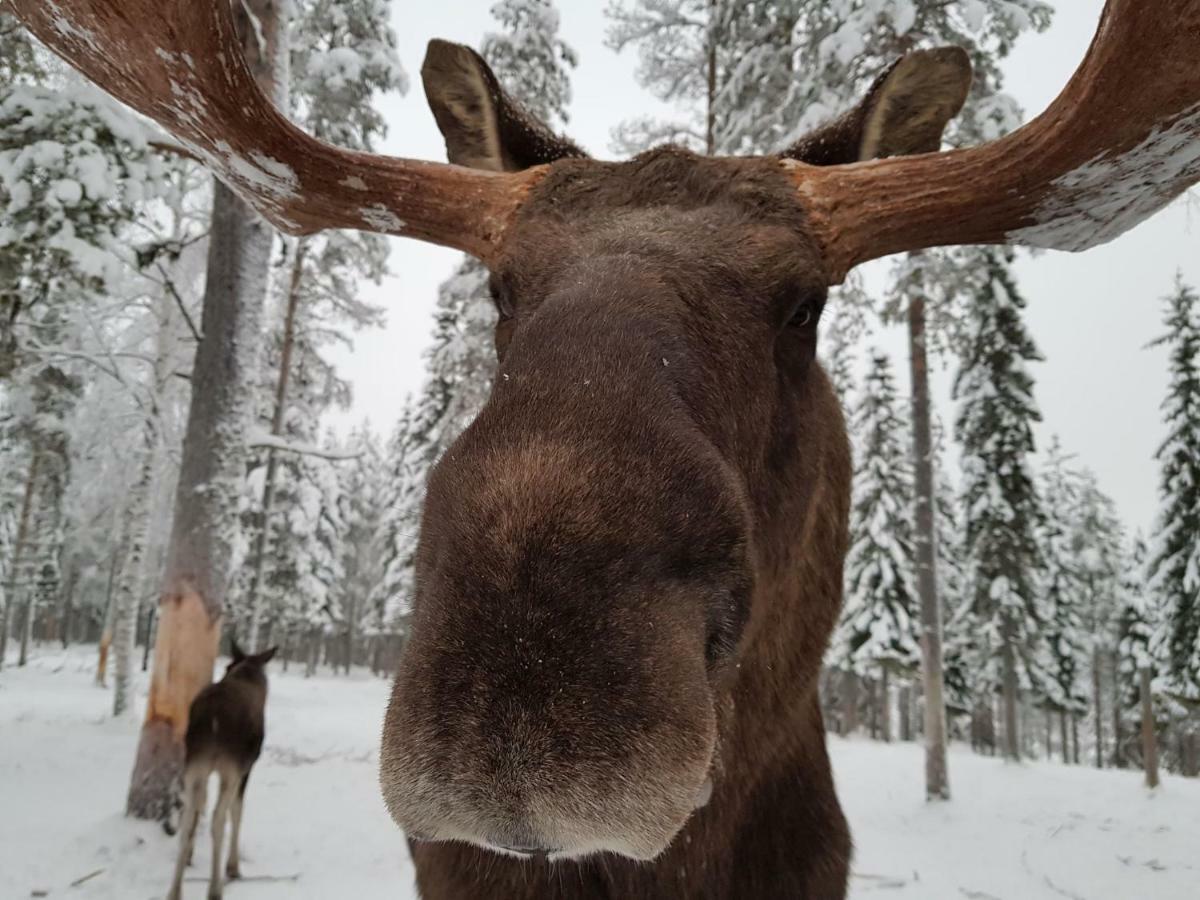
x,y
180,63
1121,141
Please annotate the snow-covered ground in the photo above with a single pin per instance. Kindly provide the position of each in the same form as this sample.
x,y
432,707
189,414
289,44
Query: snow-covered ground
x,y
314,819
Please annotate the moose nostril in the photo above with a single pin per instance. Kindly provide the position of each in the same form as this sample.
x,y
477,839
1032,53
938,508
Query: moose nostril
x,y
528,851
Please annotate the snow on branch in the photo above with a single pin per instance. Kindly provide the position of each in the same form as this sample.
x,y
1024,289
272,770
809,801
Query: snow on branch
x,y
261,439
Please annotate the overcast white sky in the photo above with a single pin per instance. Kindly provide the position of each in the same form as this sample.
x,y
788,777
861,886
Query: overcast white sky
x,y
1091,313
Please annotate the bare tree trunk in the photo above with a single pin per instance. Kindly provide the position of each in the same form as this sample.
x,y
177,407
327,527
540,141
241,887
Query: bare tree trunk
x,y
192,600
151,620
1099,710
906,713
262,536
873,708
937,776
1119,757
1075,739
136,527
885,705
106,623
22,539
351,628
710,109
1012,746
849,702
68,605
1066,739
1149,735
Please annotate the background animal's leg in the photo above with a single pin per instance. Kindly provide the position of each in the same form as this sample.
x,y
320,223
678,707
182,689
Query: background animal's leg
x,y
200,793
220,814
193,803
233,868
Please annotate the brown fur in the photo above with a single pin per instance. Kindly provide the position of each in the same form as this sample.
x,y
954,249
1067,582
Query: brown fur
x,y
631,562
224,736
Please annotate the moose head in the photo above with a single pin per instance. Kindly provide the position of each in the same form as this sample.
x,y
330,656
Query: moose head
x,y
630,563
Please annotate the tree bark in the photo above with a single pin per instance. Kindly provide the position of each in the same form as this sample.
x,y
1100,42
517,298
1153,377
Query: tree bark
x,y
68,605
268,492
22,538
1012,746
1075,739
885,705
710,108
106,623
1065,738
1149,734
937,776
1099,710
1119,757
192,600
849,703
906,713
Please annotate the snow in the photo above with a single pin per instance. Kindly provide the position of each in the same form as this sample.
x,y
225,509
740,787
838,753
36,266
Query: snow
x,y
313,807
378,217
1037,831
1117,192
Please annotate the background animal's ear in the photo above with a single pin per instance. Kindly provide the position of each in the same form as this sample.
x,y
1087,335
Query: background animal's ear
x,y
484,128
904,112
236,651
266,656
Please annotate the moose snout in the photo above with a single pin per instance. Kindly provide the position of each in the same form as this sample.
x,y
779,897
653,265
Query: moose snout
x,y
560,770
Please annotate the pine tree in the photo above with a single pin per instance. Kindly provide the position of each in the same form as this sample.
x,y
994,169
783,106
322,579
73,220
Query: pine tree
x,y
994,391
878,631
1174,558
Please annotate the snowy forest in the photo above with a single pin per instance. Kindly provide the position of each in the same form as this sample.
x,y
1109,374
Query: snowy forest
x,y
179,436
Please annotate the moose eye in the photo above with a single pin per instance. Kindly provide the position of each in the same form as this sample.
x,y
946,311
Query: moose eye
x,y
723,629
800,306
801,317
501,299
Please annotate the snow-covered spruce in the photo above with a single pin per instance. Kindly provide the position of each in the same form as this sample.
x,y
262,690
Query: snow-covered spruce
x,y
996,414
878,635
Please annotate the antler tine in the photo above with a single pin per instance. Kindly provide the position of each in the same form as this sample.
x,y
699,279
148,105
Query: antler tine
x,y
180,63
1119,143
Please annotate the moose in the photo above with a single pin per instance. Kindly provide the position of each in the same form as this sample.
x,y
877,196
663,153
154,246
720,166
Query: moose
x,y
630,563
224,736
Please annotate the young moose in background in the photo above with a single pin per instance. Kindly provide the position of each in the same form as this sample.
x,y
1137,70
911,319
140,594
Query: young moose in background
x,y
224,735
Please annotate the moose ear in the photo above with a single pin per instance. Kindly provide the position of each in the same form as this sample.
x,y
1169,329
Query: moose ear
x,y
266,656
904,112
236,651
484,128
